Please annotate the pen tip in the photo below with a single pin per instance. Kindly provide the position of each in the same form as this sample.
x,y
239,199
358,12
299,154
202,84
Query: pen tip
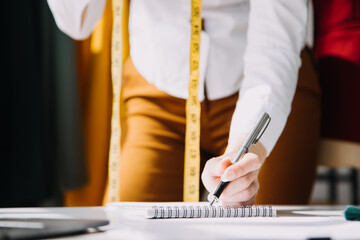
x,y
212,202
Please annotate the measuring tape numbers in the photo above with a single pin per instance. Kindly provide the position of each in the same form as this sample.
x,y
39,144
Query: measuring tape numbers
x,y
116,75
193,110
192,135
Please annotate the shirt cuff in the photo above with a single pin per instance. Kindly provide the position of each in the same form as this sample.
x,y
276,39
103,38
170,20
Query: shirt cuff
x,y
245,116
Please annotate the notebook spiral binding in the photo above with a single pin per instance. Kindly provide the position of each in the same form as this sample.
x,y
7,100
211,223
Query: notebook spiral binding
x,y
211,212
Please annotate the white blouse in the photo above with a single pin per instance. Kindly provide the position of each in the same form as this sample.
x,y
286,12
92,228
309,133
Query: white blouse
x,y
247,46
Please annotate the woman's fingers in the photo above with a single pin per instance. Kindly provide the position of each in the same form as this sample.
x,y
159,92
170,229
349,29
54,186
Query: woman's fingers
x,y
239,185
213,170
242,197
242,177
249,163
217,165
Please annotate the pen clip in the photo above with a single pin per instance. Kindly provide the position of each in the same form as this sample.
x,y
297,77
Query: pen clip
x,y
263,130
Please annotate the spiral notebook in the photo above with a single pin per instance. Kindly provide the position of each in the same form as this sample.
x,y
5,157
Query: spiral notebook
x,y
167,210
196,211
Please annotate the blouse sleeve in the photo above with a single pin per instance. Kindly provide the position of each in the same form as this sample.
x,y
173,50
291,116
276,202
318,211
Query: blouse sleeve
x,y
276,35
71,18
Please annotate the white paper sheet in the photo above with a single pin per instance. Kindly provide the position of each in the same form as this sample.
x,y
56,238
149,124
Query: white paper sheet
x,y
296,223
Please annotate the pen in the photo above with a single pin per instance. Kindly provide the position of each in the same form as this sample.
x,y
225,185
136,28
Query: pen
x,y
251,139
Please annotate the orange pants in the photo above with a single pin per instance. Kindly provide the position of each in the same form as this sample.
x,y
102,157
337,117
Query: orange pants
x,y
152,160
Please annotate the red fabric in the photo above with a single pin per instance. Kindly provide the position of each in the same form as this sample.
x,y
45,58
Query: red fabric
x,y
340,85
337,48
337,29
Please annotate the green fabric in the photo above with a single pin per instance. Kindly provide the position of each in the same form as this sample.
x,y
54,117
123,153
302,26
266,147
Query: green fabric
x,y
352,213
41,145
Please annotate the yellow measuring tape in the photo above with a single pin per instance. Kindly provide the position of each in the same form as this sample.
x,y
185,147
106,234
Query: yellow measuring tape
x,y
116,75
192,136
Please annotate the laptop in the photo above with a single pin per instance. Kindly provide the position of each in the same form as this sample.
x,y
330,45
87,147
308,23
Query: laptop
x,y
47,228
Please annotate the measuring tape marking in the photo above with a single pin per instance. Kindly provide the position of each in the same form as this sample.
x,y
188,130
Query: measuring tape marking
x,y
192,137
193,110
116,74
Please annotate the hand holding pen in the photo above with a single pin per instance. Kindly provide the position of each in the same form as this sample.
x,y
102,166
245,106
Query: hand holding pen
x,y
241,176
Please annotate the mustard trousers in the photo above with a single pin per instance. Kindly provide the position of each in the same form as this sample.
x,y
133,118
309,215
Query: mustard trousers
x,y
153,133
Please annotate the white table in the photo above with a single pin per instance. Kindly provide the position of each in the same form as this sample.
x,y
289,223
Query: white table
x,y
293,222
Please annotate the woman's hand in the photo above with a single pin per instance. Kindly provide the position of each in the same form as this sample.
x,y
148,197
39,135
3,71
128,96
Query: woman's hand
x,y
243,176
